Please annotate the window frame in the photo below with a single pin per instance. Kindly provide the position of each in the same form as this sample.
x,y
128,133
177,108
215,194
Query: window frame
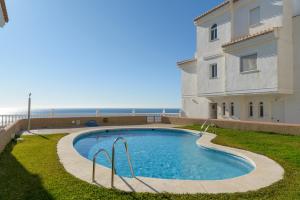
x,y
232,109
223,108
261,110
250,17
213,33
250,110
213,71
242,71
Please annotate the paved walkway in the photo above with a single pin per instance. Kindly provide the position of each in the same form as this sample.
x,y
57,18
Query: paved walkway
x,y
74,130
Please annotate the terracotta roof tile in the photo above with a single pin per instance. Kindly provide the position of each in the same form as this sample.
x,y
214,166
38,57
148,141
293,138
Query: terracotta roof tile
x,y
212,10
186,61
249,36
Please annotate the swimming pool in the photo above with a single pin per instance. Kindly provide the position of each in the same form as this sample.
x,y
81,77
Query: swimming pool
x,y
164,154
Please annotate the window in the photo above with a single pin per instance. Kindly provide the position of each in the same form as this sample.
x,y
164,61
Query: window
x,y
254,16
250,109
213,71
261,109
248,63
214,32
232,109
224,109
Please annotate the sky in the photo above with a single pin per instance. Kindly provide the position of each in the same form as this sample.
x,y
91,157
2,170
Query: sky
x,y
96,53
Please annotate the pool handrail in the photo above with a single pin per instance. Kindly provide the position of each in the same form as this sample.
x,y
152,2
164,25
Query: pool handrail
x,y
211,125
113,159
94,161
202,126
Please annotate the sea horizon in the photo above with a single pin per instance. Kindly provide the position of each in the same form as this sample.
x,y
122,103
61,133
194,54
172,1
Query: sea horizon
x,y
84,111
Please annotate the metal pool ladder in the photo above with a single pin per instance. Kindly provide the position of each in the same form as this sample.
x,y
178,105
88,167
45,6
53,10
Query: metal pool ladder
x,y
210,125
94,160
112,159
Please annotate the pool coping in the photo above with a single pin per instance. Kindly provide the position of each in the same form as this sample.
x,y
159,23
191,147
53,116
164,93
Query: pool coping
x,y
266,171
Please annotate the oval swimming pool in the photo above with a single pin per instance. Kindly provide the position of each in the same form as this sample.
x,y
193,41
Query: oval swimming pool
x,y
163,153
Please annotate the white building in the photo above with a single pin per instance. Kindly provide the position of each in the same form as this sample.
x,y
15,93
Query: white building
x,y
3,13
247,63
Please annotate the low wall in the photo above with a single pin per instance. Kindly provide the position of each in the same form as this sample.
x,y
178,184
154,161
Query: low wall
x,y
9,132
73,122
281,128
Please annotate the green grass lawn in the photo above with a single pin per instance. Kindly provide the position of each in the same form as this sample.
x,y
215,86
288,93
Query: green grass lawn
x,y
31,170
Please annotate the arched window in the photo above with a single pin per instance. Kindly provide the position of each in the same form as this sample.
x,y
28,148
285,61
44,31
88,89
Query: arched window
x,y
214,32
261,109
232,109
224,109
250,109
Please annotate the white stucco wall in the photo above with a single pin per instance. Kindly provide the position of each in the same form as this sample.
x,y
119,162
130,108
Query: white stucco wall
x,y
271,16
210,52
264,80
276,83
207,85
241,107
195,107
296,42
292,103
296,7
206,48
285,50
189,79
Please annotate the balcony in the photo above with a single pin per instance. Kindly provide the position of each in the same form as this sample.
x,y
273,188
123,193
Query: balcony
x,y
273,72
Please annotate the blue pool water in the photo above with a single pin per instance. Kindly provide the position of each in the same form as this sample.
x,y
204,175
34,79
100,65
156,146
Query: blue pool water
x,y
162,153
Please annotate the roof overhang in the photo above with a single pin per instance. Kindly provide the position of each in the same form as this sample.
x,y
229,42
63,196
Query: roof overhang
x,y
225,3
262,36
186,62
211,10
4,11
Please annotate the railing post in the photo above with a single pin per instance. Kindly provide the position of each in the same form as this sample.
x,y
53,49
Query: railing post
x,y
51,113
164,112
29,112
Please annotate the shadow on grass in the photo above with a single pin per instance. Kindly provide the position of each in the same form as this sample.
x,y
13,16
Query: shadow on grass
x,y
16,182
40,135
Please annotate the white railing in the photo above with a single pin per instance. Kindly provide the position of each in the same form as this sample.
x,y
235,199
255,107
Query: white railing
x,y
6,120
